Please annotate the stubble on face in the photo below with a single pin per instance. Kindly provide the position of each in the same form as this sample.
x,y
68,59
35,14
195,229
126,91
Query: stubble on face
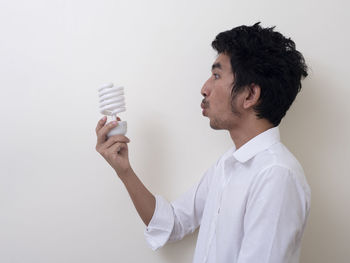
x,y
224,122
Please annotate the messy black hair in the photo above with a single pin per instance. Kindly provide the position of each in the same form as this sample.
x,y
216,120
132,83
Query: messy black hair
x,y
266,58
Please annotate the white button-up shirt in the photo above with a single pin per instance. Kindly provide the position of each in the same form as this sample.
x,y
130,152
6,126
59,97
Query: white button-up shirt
x,y
251,206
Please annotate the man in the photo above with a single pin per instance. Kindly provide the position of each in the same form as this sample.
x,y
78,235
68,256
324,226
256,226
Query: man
x,y
253,203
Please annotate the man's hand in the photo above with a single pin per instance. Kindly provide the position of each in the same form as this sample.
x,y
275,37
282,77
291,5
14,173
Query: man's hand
x,y
114,149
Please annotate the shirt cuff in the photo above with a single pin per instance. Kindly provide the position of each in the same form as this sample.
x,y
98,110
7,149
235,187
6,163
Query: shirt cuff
x,y
158,231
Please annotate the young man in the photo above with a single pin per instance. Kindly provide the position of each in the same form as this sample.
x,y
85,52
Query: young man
x,y
253,203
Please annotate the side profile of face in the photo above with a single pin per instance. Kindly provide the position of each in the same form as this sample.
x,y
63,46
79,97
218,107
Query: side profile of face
x,y
217,105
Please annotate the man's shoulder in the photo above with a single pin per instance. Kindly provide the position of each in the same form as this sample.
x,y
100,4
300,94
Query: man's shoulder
x,y
278,155
279,158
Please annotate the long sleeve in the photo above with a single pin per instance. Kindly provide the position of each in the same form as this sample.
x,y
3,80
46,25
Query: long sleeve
x,y
275,218
172,221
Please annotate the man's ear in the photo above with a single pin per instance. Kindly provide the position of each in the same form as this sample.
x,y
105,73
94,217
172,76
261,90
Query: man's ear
x,y
252,96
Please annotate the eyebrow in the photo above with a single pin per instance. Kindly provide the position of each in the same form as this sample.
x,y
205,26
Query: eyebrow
x,y
216,65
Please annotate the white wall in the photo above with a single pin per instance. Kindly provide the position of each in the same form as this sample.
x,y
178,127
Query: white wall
x,y
61,202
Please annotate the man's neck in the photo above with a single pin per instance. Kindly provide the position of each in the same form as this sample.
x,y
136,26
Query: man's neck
x,y
241,135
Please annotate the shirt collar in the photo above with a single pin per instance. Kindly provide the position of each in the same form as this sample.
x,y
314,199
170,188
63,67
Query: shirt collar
x,y
257,144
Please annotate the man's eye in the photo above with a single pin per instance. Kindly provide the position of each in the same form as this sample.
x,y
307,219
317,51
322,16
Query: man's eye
x,y
216,76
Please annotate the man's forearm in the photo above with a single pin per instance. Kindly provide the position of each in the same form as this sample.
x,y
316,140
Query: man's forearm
x,y
144,201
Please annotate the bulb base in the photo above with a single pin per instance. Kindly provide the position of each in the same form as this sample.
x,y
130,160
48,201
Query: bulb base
x,y
121,128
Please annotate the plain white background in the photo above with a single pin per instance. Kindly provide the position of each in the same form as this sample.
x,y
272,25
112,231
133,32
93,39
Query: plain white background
x,y
61,202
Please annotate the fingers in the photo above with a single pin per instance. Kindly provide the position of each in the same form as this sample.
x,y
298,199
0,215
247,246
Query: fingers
x,y
100,124
102,133
115,139
102,129
117,147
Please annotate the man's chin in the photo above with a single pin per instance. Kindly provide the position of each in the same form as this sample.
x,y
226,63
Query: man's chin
x,y
215,125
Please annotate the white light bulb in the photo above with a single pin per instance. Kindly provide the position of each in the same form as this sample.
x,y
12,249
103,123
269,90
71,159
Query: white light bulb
x,y
111,103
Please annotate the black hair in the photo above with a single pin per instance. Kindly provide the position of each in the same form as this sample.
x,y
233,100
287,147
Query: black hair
x,y
266,58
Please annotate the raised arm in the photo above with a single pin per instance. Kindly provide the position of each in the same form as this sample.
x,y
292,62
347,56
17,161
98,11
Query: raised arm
x,y
115,151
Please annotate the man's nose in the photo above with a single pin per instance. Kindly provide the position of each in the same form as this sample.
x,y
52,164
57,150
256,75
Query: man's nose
x,y
204,90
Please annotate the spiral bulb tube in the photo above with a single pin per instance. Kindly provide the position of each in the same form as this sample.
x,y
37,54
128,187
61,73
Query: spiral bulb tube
x,y
112,102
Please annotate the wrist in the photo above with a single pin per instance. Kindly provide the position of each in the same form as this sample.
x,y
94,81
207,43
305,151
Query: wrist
x,y
125,173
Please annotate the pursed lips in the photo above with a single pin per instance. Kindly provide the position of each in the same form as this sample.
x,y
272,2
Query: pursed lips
x,y
204,104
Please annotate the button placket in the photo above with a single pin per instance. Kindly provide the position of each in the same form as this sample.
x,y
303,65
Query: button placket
x,y
223,182
226,178
211,236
